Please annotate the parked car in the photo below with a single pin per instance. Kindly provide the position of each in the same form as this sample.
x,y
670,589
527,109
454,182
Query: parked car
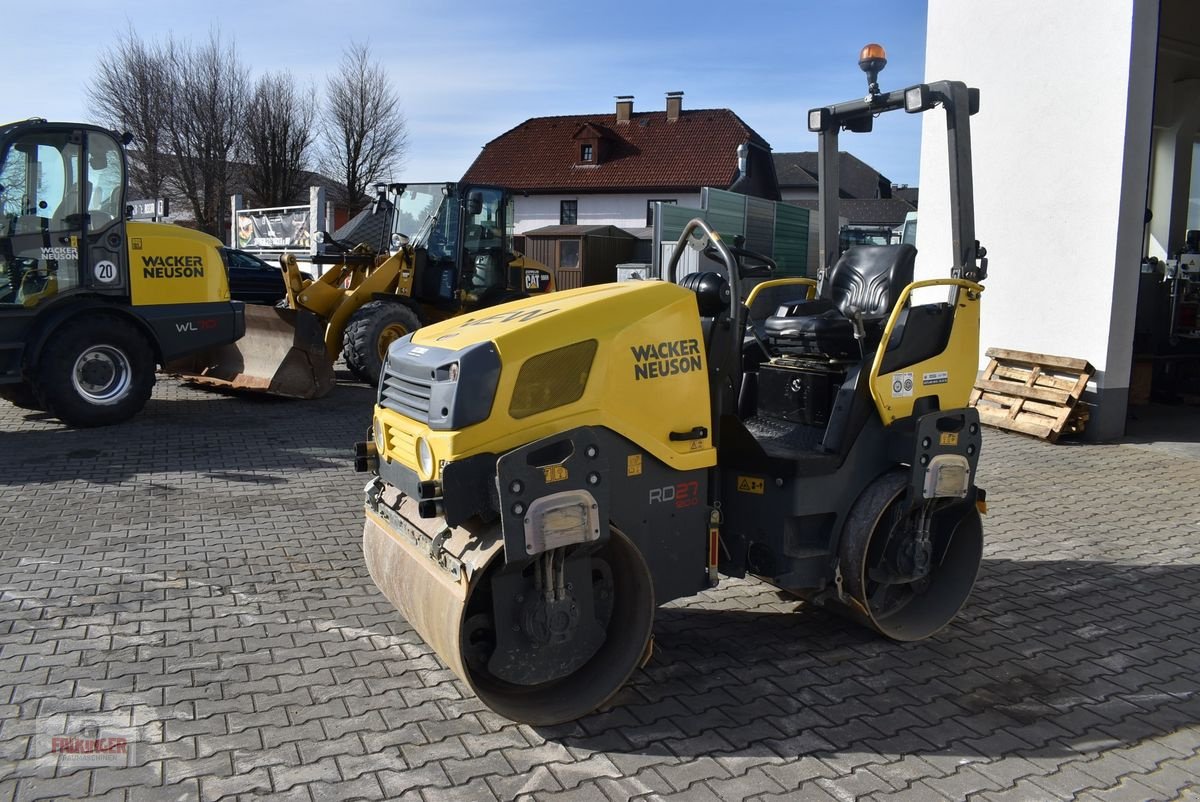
x,y
253,280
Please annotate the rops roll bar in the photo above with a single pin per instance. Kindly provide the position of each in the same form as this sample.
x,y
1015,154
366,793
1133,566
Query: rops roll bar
x,y
735,277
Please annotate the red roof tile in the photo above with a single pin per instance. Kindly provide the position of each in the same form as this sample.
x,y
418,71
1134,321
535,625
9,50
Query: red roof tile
x,y
646,154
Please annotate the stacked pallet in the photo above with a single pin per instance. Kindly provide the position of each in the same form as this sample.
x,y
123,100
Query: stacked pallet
x,y
1036,394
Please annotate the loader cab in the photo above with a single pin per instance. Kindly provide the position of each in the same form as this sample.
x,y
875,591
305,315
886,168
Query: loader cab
x,y
62,191
486,243
462,237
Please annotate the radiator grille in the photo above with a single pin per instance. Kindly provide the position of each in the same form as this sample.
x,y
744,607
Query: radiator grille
x,y
407,395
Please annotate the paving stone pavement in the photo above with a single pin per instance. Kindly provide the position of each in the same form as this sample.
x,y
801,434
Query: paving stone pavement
x,y
192,581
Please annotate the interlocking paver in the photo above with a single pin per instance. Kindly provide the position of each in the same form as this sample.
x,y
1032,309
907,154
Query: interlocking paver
x,y
176,568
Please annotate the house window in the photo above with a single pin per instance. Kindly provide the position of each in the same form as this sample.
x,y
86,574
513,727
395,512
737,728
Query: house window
x,y
650,208
568,212
585,153
568,254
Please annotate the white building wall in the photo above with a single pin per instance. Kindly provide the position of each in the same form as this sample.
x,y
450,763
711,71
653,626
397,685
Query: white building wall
x,y
622,210
1061,149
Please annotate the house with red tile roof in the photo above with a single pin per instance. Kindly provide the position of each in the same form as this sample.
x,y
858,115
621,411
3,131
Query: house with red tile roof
x,y
608,169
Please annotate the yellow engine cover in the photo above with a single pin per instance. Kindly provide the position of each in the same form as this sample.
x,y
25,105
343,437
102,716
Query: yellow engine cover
x,y
648,378
169,264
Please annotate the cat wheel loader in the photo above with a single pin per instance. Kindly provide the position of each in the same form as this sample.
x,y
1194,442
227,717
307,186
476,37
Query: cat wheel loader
x,y
546,474
91,302
449,250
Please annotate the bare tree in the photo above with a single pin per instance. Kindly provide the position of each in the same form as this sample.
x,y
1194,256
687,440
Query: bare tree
x,y
364,129
184,105
278,136
132,92
209,95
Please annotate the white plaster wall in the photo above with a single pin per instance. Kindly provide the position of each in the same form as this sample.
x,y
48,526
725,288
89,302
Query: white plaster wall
x,y
1061,148
624,210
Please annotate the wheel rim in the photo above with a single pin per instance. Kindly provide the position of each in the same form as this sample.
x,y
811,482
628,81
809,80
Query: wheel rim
x,y
389,335
102,374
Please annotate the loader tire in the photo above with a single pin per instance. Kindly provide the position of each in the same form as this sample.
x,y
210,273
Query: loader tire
x,y
95,371
374,327
21,395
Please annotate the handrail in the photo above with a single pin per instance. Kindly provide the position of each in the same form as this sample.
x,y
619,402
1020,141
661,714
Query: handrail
x,y
894,318
779,282
735,278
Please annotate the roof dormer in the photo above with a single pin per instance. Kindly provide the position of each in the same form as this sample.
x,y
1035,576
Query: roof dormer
x,y
590,145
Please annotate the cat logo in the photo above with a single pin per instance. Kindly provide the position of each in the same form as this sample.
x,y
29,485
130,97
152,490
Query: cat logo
x,y
554,473
948,439
751,484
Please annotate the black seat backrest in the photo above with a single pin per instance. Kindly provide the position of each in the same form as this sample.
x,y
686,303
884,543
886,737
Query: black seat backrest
x,y
712,292
871,278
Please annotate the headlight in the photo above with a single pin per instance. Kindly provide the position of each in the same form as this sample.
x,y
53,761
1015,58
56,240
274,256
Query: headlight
x,y
424,459
398,241
917,98
377,435
818,120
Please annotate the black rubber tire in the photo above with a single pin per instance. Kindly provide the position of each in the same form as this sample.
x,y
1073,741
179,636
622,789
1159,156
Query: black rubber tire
x,y
21,395
361,343
55,375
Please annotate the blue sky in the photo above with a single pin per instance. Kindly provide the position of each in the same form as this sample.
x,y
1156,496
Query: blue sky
x,y
467,72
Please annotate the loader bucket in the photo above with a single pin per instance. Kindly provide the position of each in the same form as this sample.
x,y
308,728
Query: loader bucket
x,y
282,353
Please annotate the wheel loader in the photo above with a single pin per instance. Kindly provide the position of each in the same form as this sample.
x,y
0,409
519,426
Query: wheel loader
x,y
91,302
546,474
448,250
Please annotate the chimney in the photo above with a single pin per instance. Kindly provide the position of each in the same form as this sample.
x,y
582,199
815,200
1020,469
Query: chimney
x,y
624,108
674,105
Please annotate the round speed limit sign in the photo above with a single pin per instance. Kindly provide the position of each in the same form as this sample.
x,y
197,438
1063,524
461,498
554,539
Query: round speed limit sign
x,y
105,272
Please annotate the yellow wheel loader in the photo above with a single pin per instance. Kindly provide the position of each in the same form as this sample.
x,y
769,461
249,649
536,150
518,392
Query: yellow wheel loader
x,y
546,474
448,251
91,302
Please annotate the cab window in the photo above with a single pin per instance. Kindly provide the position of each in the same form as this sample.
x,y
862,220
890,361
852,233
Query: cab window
x,y
105,181
40,194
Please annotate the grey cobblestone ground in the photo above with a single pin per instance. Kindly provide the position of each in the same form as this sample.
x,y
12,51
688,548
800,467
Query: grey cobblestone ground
x,y
194,578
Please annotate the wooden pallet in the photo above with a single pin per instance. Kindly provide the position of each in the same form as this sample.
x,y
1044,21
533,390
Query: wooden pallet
x,y
1035,394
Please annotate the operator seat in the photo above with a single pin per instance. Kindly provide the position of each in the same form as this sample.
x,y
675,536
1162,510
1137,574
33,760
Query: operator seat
x,y
867,279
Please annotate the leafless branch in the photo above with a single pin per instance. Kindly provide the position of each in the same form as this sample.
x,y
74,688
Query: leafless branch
x,y
279,134
131,91
364,129
205,123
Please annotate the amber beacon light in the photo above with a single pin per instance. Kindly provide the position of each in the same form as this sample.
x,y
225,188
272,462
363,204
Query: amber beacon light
x,y
871,60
